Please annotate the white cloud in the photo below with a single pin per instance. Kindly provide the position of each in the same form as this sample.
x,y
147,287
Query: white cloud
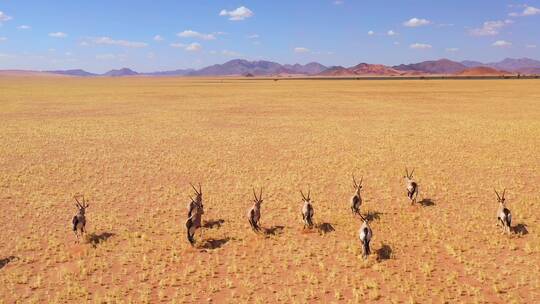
x,y
124,43
196,35
371,33
24,27
230,53
416,22
58,35
2,39
193,47
301,50
338,2
528,11
531,46
490,28
158,38
452,50
4,17
391,33
502,43
253,36
238,14
420,46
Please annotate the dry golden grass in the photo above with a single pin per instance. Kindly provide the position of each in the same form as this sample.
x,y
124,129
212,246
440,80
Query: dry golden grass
x,y
131,145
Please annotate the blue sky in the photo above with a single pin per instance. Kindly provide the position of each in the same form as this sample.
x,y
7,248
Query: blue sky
x,y
147,36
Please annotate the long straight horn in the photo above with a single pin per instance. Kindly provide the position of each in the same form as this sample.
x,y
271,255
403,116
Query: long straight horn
x,y
504,192
354,182
260,195
303,196
191,198
309,194
497,193
200,189
194,188
78,203
412,172
363,218
406,172
361,180
254,194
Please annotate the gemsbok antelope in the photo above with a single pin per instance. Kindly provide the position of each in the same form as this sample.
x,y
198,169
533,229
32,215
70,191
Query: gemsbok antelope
x,y
356,199
412,186
79,220
307,210
254,213
365,235
195,212
504,216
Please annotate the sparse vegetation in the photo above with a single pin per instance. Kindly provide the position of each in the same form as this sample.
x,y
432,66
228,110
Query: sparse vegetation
x,y
132,145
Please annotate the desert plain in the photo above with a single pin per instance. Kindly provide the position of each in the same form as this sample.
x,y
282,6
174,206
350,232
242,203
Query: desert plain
x,y
133,145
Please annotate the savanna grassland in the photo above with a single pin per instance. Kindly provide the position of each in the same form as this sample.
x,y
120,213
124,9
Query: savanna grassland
x,y
132,145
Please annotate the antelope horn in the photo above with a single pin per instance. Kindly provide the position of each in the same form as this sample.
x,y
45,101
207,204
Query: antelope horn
x,y
354,181
200,189
504,191
412,172
497,193
78,203
254,194
361,179
309,193
194,188
303,196
260,195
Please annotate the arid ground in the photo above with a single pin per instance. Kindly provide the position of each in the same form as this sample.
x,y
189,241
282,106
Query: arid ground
x,y
132,145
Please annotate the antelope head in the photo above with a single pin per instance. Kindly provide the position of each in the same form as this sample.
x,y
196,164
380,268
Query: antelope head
x,y
81,206
357,186
500,198
257,200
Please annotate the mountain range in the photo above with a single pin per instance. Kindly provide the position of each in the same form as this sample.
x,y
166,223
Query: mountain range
x,y
241,67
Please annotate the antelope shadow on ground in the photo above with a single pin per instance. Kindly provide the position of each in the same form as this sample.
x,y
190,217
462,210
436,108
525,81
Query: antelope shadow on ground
x,y
520,229
5,261
373,215
210,224
96,239
215,243
427,202
325,228
384,253
274,230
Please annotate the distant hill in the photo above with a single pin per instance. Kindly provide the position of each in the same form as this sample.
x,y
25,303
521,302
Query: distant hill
x,y
362,69
311,68
180,72
335,71
26,73
76,72
482,71
121,72
441,66
241,67
516,65
472,63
